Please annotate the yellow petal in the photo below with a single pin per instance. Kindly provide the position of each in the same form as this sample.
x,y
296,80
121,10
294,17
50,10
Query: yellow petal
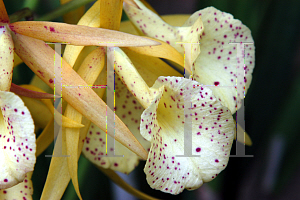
x,y
163,124
62,121
17,60
23,190
95,146
6,58
37,82
110,14
129,75
3,14
73,16
162,51
38,109
218,64
153,26
92,19
17,140
58,175
242,134
77,34
89,71
150,68
39,56
120,182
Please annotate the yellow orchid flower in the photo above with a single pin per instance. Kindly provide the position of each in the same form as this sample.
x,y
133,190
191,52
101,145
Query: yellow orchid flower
x,y
16,122
217,62
150,95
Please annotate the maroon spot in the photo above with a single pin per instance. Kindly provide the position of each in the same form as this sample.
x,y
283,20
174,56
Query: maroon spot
x,y
216,83
52,29
16,110
216,160
198,149
50,81
5,180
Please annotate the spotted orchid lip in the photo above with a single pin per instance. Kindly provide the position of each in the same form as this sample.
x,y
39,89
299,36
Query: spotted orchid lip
x,y
163,124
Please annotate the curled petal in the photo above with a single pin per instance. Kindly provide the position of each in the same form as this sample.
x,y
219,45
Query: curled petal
x,y
17,140
22,191
77,34
152,25
132,79
6,58
219,64
162,124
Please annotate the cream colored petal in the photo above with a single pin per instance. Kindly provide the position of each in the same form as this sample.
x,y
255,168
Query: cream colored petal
x,y
6,57
17,140
22,191
162,123
130,111
152,25
218,63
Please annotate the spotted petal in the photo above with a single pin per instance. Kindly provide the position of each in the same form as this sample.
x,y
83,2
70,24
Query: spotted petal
x,y
17,140
218,63
6,58
152,25
162,124
22,191
130,111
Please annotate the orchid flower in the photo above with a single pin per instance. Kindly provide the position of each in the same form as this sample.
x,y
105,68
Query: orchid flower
x,y
216,64
150,95
17,129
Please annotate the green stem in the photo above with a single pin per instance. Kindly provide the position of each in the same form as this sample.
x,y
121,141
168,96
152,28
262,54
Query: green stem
x,y
23,13
63,9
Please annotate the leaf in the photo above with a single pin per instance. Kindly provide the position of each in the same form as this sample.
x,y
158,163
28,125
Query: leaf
x,y
77,34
